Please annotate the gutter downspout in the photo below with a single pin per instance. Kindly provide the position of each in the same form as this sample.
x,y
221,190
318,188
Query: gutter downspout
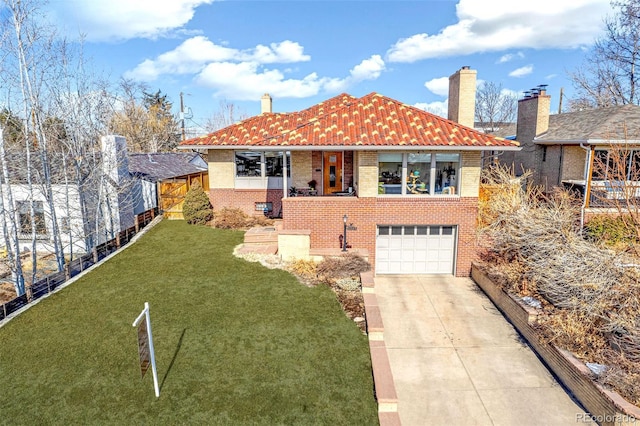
x,y
588,167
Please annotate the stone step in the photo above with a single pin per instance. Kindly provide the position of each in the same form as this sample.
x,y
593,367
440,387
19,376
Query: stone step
x,y
265,235
259,249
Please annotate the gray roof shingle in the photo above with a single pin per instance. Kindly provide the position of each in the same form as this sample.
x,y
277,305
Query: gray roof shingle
x,y
166,165
606,124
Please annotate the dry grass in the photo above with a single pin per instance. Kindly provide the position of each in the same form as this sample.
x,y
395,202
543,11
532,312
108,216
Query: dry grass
x,y
532,242
344,266
305,270
234,218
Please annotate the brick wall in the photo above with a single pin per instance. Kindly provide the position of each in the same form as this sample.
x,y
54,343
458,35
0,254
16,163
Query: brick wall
x,y
323,215
245,199
470,174
316,172
221,168
573,161
368,174
550,166
300,168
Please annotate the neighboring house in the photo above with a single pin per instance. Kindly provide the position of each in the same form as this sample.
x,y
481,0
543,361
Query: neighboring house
x,y
172,174
559,148
115,190
407,180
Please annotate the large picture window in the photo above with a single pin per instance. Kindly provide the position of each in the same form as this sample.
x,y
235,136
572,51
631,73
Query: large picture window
x,y
24,217
262,169
249,164
418,174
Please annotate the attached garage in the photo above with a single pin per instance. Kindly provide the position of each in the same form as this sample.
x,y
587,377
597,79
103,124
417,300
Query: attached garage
x,y
415,249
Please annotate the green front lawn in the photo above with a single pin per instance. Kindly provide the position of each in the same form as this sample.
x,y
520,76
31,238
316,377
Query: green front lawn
x,y
235,343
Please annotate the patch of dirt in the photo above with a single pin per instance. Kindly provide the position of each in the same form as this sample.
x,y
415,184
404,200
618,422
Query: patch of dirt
x,y
7,292
352,304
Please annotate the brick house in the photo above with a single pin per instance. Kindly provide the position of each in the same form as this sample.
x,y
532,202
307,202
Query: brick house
x,y
572,149
407,180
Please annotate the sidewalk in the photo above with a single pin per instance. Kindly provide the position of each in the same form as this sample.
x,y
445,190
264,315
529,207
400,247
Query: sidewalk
x,y
456,360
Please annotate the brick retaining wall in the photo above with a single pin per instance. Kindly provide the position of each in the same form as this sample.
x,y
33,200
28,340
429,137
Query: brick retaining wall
x,y
605,406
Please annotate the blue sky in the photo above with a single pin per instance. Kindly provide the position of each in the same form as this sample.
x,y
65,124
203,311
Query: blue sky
x,y
302,52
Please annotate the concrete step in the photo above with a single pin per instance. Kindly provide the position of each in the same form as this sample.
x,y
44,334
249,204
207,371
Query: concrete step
x,y
265,235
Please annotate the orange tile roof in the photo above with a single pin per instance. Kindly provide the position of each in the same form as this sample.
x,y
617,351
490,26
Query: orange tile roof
x,y
371,121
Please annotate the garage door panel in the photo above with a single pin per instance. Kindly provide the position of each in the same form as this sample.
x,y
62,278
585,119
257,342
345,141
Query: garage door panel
x,y
415,249
395,255
408,244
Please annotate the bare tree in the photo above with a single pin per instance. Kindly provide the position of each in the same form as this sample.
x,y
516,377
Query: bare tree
x,y
615,184
145,119
609,76
495,106
227,114
51,166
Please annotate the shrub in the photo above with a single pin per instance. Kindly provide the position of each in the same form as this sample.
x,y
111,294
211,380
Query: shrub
x,y
235,218
197,208
610,230
230,218
344,266
258,221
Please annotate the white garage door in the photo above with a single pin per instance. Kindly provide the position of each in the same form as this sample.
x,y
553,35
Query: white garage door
x,y
415,249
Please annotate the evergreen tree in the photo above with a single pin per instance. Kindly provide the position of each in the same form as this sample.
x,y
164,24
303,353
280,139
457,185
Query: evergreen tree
x,y
197,208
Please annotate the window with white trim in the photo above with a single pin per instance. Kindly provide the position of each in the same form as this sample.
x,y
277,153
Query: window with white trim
x,y
418,174
261,169
616,164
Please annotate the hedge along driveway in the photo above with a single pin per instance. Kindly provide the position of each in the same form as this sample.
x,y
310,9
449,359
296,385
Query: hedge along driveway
x,y
235,343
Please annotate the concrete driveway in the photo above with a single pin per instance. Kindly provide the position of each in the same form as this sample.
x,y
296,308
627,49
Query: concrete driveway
x,y
456,360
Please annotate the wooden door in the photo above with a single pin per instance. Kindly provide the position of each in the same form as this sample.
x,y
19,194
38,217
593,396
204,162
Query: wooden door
x,y
332,172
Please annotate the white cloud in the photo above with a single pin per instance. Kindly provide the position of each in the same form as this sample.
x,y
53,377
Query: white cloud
x,y
368,69
124,19
437,107
439,86
247,81
284,52
509,57
522,71
195,53
551,76
495,25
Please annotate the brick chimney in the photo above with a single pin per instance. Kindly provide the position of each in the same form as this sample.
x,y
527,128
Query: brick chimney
x,y
265,103
533,121
462,96
533,114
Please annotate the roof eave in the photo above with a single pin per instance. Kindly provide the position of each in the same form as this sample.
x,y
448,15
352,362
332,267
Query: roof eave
x,y
357,147
595,142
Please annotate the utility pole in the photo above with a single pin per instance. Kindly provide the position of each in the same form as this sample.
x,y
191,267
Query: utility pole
x,y
560,103
182,116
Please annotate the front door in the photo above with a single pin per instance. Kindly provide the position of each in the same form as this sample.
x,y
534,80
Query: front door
x,y
332,172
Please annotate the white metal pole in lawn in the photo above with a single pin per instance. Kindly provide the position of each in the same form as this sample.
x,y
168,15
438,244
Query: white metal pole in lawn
x,y
152,355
